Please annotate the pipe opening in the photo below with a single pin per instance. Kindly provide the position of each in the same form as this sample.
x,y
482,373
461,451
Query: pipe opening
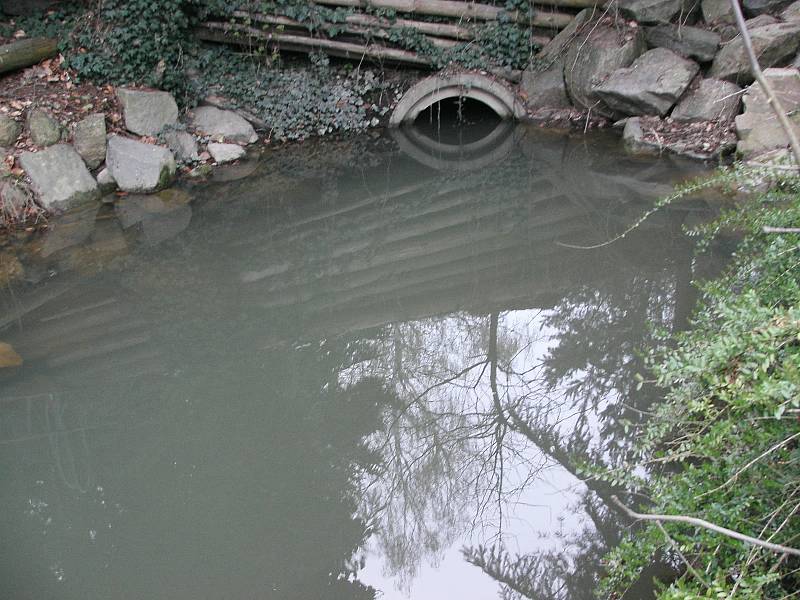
x,y
457,120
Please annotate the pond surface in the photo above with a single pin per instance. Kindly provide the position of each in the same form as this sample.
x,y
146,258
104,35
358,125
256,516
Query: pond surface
x,y
365,368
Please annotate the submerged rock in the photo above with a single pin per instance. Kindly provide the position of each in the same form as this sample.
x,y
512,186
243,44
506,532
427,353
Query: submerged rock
x,y
106,181
59,177
138,167
9,131
592,57
89,139
691,42
225,153
9,357
651,85
771,43
223,124
44,129
147,112
758,128
709,100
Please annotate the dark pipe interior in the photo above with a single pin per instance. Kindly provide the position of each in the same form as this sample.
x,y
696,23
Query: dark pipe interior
x,y
457,121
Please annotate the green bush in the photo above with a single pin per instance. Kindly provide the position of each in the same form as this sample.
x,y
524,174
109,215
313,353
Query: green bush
x,y
723,445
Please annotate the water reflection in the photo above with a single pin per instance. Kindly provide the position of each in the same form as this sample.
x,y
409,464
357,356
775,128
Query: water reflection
x,y
320,379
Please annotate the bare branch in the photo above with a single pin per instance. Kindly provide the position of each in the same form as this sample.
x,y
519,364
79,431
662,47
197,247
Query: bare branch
x,y
706,525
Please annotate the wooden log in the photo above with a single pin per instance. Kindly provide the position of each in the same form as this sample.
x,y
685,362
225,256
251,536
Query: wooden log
x,y
441,35
219,32
360,30
25,53
466,10
445,30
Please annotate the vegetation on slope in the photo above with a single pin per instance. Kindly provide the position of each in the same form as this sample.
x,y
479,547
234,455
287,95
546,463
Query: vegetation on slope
x,y
723,446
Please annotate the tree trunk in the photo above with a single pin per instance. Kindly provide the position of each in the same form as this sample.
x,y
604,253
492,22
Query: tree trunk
x,y
25,53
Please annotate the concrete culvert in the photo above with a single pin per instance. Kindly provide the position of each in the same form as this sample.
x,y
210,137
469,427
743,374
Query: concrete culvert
x,y
495,94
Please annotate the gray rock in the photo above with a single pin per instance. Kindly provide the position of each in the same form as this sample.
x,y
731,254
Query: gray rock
x,y
147,113
710,100
792,12
225,153
138,167
650,11
717,11
771,43
633,138
14,199
106,182
757,127
759,21
691,42
183,144
223,124
59,177
592,57
651,85
757,7
9,131
44,129
89,139
545,89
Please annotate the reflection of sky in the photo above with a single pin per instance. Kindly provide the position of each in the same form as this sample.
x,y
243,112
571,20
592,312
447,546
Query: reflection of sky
x,y
538,513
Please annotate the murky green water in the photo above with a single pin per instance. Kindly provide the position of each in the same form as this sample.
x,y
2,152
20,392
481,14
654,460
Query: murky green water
x,y
338,373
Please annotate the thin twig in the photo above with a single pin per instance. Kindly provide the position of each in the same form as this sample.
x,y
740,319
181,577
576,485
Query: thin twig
x,y
768,229
706,525
677,549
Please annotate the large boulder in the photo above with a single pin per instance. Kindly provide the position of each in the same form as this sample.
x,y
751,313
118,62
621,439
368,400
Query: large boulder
x,y
138,167
545,89
709,100
9,131
758,7
650,11
792,12
44,129
592,57
89,139
223,125
758,128
691,42
717,11
59,177
183,144
146,112
772,44
556,48
651,85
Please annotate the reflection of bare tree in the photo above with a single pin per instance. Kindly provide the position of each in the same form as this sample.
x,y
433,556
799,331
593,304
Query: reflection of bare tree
x,y
482,404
